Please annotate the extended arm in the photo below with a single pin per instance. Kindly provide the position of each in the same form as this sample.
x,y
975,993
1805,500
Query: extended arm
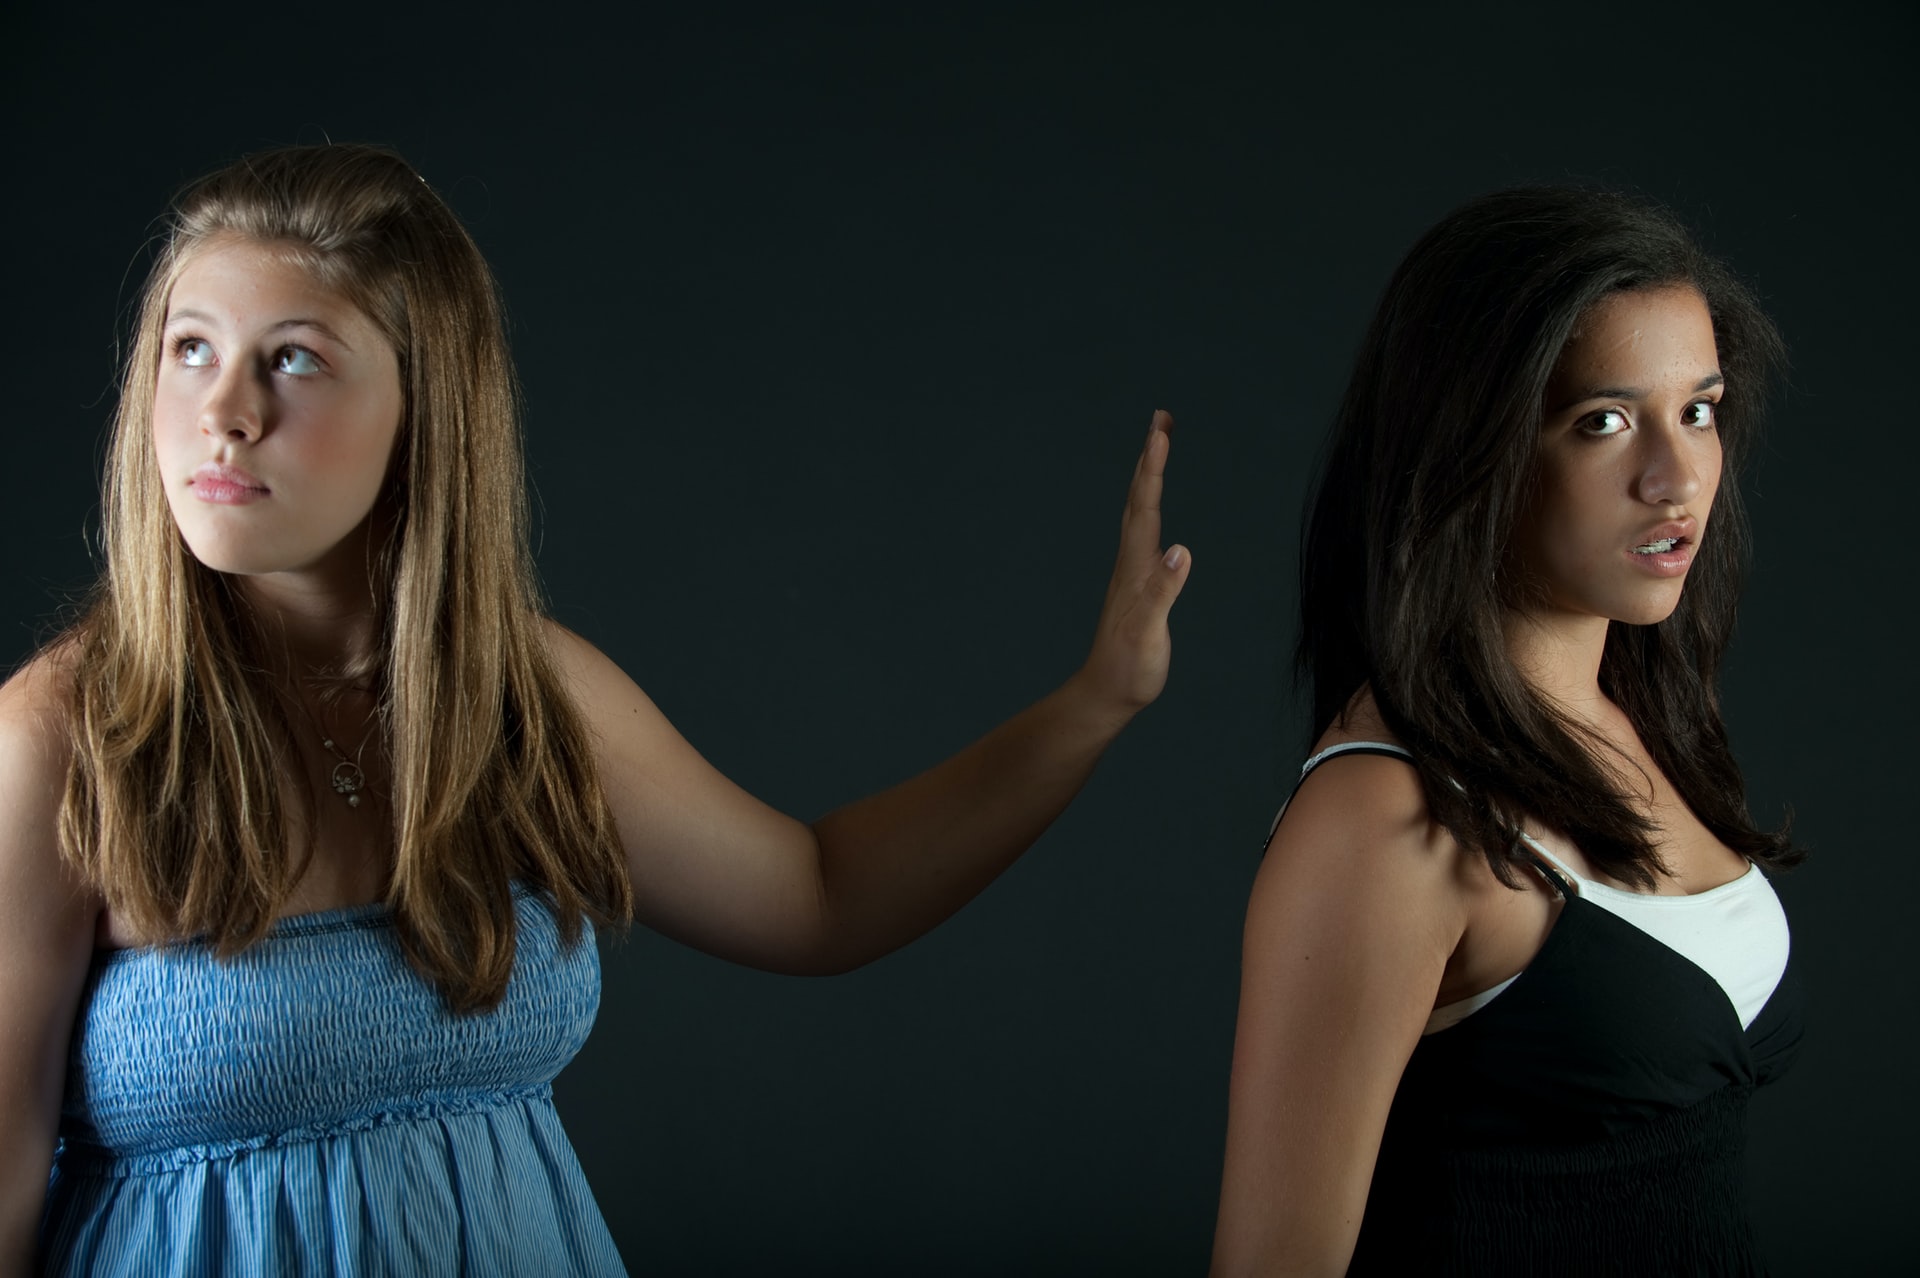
x,y
46,939
718,869
1352,918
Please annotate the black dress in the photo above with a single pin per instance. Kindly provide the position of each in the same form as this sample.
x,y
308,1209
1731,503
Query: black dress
x,y
1589,1120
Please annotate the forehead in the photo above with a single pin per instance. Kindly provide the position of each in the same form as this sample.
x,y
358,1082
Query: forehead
x,y
247,284
1641,338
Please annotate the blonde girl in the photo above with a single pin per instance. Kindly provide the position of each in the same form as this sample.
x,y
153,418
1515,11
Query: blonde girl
x,y
305,824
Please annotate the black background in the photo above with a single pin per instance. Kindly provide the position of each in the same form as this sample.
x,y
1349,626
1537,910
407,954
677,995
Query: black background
x,y
839,332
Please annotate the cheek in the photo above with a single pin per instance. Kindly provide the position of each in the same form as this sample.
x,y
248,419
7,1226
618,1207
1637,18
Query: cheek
x,y
1711,469
1567,545
172,419
383,443
351,464
1572,525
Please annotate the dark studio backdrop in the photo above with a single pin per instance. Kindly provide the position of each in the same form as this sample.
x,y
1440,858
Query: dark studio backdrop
x,y
839,332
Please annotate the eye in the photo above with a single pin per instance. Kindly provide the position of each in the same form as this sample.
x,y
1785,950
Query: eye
x,y
1701,414
296,361
1608,421
193,352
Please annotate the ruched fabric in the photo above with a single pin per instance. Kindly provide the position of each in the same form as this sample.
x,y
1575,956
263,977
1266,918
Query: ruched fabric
x,y
310,1107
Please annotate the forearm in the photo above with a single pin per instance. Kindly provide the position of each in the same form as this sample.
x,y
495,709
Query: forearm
x,y
721,871
895,864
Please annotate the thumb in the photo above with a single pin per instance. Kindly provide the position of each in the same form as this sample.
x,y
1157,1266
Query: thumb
x,y
1169,576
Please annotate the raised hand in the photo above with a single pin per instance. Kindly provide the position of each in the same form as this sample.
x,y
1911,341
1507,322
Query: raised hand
x,y
714,867
1131,643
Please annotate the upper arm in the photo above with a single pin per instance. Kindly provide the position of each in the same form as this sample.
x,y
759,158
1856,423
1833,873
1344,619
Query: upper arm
x,y
1353,915
47,920
712,866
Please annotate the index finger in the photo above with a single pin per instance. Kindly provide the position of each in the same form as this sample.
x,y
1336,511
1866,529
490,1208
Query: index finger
x,y
1140,524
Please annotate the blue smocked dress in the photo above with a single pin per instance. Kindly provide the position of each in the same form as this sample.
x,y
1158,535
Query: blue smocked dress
x,y
310,1107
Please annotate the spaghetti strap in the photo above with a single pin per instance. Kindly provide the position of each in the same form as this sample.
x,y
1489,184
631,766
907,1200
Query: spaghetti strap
x,y
1353,747
1546,868
1306,770
1532,852
1547,864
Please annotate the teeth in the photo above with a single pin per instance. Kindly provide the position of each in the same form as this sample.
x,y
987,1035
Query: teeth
x,y
1660,547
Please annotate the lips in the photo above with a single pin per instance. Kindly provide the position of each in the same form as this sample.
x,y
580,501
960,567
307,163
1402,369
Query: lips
x,y
1665,550
226,485
1665,538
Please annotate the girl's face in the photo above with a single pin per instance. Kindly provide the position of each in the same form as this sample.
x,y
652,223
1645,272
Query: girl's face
x,y
274,414
1629,459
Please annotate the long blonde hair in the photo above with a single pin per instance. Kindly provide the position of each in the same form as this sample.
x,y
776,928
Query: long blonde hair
x,y
176,800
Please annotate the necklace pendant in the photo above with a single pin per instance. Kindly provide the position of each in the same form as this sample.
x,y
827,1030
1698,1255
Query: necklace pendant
x,y
348,780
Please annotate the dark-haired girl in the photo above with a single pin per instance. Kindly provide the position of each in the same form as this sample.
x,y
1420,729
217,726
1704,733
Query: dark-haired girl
x,y
1511,966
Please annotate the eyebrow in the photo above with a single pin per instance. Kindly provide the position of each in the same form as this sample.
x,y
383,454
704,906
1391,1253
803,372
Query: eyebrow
x,y
1708,382
319,326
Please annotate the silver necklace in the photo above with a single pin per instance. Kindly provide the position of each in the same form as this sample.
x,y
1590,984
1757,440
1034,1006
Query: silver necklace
x,y
348,778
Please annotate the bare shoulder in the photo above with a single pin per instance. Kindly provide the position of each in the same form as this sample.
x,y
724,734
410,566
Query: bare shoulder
x,y
1364,798
34,747
34,755
1359,829
42,899
1366,815
632,734
573,656
589,673
602,692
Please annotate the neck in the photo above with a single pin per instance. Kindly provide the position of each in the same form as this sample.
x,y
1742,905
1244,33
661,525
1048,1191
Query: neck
x,y
315,622
1560,656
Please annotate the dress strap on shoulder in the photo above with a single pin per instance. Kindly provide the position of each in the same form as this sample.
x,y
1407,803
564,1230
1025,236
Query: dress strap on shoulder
x,y
1547,864
1345,747
1353,747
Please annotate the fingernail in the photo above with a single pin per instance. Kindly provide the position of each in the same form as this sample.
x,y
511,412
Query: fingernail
x,y
1172,558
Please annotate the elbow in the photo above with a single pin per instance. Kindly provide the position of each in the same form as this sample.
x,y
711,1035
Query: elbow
x,y
812,965
836,936
834,966
832,955
821,948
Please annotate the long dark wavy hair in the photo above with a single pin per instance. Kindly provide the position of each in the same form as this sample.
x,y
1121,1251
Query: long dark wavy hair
x,y
1403,562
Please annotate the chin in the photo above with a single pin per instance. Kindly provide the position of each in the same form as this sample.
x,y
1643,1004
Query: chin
x,y
238,556
232,564
1646,612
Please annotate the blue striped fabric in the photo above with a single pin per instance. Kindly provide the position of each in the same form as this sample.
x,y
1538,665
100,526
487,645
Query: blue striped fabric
x,y
309,1107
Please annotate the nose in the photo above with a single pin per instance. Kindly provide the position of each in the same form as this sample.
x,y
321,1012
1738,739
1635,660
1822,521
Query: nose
x,y
1671,467
237,408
